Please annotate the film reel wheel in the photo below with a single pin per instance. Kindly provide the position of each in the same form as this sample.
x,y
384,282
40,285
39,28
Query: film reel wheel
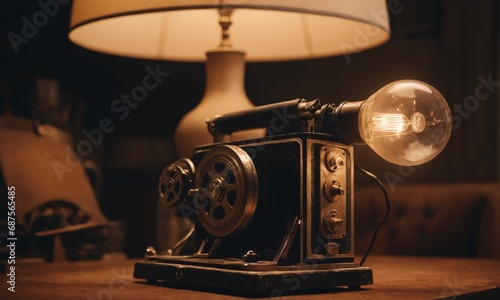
x,y
175,181
226,193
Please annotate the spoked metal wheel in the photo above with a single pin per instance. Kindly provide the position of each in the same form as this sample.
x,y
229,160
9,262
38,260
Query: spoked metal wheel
x,y
226,190
175,181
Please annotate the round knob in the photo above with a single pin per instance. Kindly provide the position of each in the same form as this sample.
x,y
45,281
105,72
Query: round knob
x,y
332,221
333,189
333,161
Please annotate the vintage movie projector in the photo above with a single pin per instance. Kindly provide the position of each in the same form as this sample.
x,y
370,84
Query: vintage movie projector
x,y
276,214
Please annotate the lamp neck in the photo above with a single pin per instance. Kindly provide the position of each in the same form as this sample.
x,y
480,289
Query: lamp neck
x,y
225,22
225,73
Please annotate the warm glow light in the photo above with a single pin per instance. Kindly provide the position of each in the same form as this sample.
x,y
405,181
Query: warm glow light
x,y
260,30
406,122
389,123
395,124
267,30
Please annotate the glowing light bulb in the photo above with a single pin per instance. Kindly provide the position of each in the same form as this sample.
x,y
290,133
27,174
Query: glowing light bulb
x,y
395,124
406,122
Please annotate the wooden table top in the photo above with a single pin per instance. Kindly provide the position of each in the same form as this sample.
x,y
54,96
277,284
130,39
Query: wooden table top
x,y
395,277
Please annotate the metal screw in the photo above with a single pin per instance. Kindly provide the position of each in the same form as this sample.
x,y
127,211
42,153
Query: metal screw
x,y
150,251
250,256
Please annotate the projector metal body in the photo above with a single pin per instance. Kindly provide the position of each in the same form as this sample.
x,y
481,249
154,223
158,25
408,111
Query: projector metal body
x,y
271,215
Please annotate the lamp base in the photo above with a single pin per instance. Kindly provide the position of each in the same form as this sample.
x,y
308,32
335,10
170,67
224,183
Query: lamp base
x,y
224,92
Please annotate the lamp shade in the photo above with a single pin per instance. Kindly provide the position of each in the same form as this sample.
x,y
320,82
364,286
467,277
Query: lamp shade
x,y
267,30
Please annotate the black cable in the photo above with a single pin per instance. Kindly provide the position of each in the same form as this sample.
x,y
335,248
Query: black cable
x,y
387,211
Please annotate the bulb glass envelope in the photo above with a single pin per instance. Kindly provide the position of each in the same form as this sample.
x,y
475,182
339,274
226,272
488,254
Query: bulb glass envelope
x,y
267,30
406,122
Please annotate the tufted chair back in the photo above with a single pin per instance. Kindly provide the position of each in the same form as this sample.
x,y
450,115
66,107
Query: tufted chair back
x,y
459,220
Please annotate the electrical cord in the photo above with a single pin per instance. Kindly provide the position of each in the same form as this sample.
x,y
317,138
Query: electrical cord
x,y
384,218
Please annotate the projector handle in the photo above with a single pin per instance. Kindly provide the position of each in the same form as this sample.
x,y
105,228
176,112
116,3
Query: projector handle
x,y
287,113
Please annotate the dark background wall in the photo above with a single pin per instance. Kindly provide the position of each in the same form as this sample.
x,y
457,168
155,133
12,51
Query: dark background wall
x,y
449,44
